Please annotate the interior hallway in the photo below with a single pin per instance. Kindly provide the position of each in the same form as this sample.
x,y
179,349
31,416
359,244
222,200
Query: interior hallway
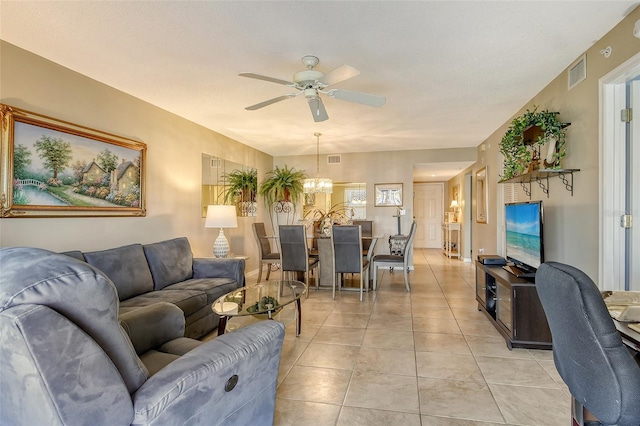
x,y
428,357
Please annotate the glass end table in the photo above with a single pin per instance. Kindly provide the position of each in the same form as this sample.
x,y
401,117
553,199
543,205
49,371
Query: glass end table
x,y
262,299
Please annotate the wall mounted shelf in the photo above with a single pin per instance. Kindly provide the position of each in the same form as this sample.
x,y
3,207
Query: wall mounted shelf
x,y
541,177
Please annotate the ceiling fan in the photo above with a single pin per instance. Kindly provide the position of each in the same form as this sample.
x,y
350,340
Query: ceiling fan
x,y
311,83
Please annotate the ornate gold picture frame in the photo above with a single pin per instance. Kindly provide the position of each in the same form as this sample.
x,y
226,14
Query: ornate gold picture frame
x,y
52,168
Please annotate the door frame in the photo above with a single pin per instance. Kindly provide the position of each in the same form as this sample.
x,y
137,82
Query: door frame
x,y
612,174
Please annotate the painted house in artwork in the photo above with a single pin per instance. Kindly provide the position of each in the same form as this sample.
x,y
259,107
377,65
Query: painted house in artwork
x,y
92,172
125,176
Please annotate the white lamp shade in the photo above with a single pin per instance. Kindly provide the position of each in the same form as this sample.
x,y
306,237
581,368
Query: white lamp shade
x,y
219,216
454,204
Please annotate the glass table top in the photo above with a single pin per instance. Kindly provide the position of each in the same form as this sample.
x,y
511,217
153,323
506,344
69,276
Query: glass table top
x,y
263,298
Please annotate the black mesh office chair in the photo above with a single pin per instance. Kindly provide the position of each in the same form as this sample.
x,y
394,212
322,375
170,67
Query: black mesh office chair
x,y
264,249
294,253
599,370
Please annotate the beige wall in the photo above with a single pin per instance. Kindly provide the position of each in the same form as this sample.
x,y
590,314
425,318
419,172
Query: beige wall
x,y
379,167
571,223
173,177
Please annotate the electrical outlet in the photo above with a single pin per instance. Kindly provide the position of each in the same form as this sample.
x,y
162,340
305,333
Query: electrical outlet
x,y
480,251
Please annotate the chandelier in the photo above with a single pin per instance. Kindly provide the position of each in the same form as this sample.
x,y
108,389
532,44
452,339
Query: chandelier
x,y
318,185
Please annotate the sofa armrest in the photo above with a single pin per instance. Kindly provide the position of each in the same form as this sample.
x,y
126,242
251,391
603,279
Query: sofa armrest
x,y
219,268
197,387
151,326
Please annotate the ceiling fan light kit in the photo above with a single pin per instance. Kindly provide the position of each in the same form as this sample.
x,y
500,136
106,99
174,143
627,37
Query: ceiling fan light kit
x,y
312,83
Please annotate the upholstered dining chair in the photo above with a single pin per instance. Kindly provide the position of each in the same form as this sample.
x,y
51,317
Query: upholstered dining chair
x,y
264,249
294,253
346,241
588,352
395,261
367,233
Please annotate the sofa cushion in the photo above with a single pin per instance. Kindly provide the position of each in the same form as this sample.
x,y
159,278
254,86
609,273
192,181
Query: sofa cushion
x,y
126,266
76,254
213,287
189,301
170,261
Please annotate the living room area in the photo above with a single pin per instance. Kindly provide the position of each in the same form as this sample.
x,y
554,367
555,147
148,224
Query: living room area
x,y
428,356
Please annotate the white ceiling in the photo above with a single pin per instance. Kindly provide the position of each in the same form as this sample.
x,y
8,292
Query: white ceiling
x,y
452,71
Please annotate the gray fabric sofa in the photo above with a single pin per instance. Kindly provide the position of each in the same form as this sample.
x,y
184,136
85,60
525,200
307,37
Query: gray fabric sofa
x,y
65,359
167,272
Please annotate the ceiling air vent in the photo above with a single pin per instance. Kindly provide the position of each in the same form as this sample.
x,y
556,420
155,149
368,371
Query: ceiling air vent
x,y
578,71
334,159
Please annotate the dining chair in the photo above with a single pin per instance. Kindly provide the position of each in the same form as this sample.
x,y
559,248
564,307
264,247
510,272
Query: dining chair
x,y
294,253
346,241
367,234
395,260
264,250
588,352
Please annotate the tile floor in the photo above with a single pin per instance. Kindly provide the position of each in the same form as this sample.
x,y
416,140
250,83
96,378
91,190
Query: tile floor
x,y
428,357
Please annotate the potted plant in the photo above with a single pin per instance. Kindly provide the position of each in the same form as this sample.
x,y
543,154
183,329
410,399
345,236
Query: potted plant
x,y
522,145
282,184
241,187
338,214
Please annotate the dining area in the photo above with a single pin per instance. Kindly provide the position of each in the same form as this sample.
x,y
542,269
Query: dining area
x,y
339,257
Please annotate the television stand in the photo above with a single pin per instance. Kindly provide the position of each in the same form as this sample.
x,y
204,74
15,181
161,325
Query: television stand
x,y
519,273
513,307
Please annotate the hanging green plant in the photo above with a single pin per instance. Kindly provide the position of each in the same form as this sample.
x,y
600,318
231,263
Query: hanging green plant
x,y
241,185
282,184
533,138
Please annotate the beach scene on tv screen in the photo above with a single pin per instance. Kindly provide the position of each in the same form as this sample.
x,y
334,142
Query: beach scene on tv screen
x,y
523,230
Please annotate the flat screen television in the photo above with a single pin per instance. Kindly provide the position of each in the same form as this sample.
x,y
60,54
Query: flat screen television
x,y
525,237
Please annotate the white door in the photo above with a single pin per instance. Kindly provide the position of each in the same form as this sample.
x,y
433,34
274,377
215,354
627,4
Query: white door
x,y
428,212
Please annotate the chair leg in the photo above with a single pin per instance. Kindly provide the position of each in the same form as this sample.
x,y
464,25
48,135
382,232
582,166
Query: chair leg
x,y
375,277
268,272
361,286
333,285
406,278
260,272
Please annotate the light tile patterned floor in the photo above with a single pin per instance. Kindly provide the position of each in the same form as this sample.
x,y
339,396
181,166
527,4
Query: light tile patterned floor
x,y
428,357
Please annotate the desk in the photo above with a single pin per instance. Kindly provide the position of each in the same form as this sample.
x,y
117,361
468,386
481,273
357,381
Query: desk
x,y
616,302
629,337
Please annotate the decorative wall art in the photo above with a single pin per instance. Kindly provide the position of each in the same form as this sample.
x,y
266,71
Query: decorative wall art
x,y
52,168
388,194
482,196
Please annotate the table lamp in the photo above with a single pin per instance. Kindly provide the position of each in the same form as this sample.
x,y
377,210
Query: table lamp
x,y
219,216
454,206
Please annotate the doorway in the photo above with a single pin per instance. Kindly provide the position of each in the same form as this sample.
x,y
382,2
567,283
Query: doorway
x,y
428,210
619,157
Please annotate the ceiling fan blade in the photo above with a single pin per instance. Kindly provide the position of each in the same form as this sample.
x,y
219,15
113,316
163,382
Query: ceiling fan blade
x,y
270,101
317,109
361,98
339,74
265,78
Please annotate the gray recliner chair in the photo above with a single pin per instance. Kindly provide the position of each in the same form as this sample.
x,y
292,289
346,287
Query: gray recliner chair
x,y
588,352
65,359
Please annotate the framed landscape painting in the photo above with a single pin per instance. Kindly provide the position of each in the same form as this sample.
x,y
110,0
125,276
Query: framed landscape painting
x,y
52,168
